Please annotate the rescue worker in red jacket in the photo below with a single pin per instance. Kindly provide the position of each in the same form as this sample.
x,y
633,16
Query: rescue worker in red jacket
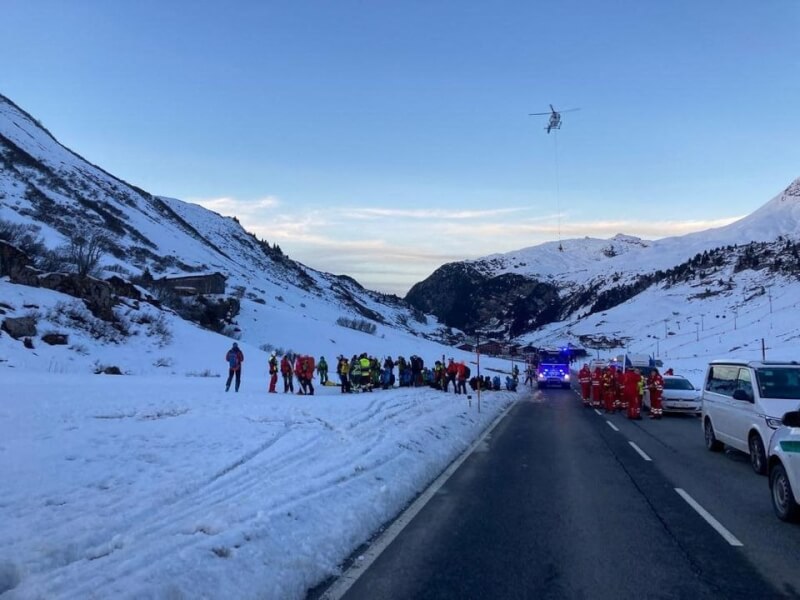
x,y
585,379
619,403
609,388
273,372
286,373
451,373
655,383
461,378
633,381
597,380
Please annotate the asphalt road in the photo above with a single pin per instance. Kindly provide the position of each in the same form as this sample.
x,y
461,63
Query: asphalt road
x,y
558,504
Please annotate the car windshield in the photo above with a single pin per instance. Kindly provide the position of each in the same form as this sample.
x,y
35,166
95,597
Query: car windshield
x,y
552,358
678,384
779,382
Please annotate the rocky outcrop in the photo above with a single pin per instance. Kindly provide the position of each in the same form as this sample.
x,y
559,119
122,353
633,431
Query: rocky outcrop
x,y
96,293
509,304
100,296
19,327
56,339
16,265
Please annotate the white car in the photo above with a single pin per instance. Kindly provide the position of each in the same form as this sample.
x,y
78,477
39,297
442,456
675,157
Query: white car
x,y
743,403
784,468
679,396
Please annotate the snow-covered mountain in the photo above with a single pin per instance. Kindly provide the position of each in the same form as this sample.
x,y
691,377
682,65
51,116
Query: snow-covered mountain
x,y
54,194
516,293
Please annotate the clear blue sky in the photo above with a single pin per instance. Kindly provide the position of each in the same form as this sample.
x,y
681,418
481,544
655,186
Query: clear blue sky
x,y
382,139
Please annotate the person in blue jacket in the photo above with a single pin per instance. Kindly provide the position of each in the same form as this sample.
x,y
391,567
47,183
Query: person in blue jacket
x,y
234,358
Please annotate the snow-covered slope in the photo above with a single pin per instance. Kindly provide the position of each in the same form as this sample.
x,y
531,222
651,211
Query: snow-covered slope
x,y
49,187
515,293
580,260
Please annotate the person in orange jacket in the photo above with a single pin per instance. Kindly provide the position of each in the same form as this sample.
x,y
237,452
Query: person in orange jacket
x,y
597,387
585,379
655,383
609,388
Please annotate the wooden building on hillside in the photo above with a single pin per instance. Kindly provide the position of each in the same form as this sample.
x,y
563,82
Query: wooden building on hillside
x,y
202,283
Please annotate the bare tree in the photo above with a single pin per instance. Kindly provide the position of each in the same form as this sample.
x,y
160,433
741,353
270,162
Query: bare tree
x,y
85,250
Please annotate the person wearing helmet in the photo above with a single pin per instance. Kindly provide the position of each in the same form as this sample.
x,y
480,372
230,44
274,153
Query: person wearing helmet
x,y
273,372
234,358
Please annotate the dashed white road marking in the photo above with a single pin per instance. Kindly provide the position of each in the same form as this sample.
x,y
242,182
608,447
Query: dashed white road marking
x,y
640,451
598,412
729,537
614,427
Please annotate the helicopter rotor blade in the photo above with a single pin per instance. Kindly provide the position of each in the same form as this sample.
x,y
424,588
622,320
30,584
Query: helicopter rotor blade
x,y
536,114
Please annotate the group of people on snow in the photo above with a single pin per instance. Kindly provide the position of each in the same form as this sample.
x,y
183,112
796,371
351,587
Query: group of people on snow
x,y
621,390
364,373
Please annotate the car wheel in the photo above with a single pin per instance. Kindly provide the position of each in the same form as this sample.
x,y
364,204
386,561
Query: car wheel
x,y
758,458
782,497
712,443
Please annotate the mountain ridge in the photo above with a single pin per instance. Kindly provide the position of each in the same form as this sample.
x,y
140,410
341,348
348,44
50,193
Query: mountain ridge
x,y
584,269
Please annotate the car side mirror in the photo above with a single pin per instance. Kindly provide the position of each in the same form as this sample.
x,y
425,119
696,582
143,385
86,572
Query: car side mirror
x,y
791,419
742,395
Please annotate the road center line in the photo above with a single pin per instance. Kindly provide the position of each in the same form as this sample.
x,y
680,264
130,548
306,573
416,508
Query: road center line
x,y
598,412
614,427
729,537
640,451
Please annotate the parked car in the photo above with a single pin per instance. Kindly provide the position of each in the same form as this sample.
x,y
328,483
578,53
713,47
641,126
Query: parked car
x,y
784,468
744,402
679,396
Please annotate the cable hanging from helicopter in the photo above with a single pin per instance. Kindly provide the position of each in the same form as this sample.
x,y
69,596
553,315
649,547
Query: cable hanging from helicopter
x,y
555,123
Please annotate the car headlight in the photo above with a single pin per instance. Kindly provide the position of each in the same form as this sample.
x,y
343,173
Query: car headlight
x,y
566,377
772,422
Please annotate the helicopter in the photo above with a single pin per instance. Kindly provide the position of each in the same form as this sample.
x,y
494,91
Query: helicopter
x,y
555,117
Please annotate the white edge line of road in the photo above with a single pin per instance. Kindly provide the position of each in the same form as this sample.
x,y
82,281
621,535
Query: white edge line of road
x,y
347,579
614,427
640,451
729,537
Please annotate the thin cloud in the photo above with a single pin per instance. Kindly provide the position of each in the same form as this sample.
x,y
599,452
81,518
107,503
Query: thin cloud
x,y
229,206
427,213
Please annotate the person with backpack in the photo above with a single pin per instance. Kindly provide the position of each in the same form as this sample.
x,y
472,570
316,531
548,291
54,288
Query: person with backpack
x,y
234,358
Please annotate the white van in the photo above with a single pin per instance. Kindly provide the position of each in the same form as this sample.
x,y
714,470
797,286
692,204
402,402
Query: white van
x,y
744,401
